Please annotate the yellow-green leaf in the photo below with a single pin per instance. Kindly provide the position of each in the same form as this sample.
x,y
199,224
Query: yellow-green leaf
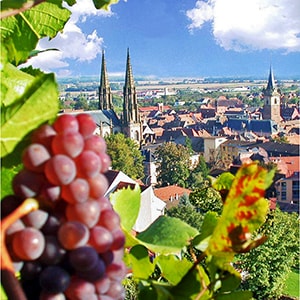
x,y
244,211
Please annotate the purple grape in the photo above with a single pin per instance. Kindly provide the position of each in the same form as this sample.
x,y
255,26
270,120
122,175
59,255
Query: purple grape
x,y
54,279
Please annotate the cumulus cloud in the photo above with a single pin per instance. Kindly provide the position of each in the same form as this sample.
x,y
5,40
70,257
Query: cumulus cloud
x,y
250,24
72,43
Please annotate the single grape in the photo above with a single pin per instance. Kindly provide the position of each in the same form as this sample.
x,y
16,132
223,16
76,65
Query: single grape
x,y
88,164
31,270
51,225
102,285
73,234
104,203
87,212
53,252
118,239
34,157
80,289
95,273
116,271
54,279
70,144
107,257
36,219
28,244
60,169
87,125
105,162
27,184
95,143
44,135
100,238
98,185
109,219
66,123
49,192
116,291
76,192
83,258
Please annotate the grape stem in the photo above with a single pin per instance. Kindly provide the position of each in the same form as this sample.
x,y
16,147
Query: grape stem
x,y
10,283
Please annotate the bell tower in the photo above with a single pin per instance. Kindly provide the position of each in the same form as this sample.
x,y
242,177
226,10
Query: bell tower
x,y
105,95
271,109
131,122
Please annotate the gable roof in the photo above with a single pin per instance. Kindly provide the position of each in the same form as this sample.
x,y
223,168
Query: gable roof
x,y
170,192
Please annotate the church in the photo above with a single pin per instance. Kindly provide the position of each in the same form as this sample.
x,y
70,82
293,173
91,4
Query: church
x,y
129,123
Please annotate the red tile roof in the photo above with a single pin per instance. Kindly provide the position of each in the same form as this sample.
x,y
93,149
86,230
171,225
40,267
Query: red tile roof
x,y
170,192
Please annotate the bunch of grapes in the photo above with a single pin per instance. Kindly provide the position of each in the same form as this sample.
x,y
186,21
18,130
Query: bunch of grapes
x,y
72,246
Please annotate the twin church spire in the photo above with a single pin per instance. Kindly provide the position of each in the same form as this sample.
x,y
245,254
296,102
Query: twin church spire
x,y
130,118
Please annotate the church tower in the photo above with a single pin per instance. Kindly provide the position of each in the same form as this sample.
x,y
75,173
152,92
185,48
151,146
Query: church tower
x,y
105,95
131,121
271,109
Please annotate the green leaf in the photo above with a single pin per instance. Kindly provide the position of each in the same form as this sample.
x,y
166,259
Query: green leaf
x,y
7,176
172,268
15,83
244,211
229,283
223,182
20,33
194,283
210,221
37,105
104,4
126,203
140,262
167,235
238,295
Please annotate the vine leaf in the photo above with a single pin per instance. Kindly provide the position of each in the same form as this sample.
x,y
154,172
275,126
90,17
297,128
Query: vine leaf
x,y
244,211
21,33
126,203
194,283
140,262
37,105
167,235
172,268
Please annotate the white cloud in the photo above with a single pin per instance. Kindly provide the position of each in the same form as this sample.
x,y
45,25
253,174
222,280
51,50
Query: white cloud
x,y
72,43
250,24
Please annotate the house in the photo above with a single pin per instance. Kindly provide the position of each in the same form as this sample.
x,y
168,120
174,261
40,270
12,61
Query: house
x,y
151,206
171,194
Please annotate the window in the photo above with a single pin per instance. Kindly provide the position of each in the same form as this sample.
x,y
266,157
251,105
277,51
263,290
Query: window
x,y
295,190
283,196
283,186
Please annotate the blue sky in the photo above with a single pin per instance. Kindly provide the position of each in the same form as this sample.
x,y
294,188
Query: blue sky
x,y
179,38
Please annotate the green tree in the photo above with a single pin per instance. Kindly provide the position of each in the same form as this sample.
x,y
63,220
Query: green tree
x,y
206,199
173,164
188,214
125,155
198,175
269,265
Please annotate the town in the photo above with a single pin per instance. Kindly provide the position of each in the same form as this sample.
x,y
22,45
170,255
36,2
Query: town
x,y
227,123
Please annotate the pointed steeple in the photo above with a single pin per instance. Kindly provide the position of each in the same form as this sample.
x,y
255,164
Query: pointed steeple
x,y
129,82
271,81
130,105
131,122
105,96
